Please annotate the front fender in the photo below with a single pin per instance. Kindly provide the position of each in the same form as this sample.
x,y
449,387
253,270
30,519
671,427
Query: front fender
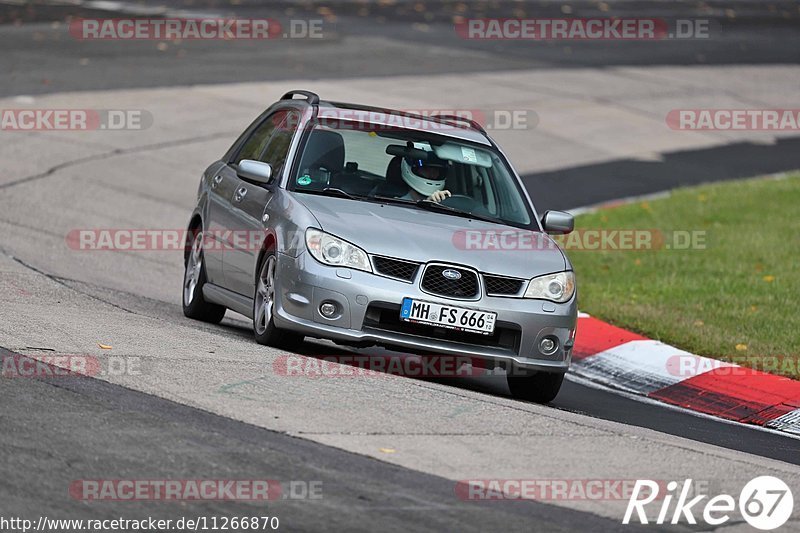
x,y
288,221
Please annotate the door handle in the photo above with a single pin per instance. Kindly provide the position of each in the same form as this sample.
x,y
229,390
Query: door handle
x,y
241,192
216,181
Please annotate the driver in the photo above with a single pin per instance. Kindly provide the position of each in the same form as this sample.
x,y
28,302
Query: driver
x,y
425,179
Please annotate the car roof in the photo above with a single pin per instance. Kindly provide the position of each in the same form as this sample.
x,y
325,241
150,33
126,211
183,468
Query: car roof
x,y
458,128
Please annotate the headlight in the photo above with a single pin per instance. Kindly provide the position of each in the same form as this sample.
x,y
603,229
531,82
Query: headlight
x,y
334,251
554,287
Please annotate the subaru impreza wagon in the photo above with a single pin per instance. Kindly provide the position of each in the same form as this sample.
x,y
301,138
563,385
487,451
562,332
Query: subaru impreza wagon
x,y
371,226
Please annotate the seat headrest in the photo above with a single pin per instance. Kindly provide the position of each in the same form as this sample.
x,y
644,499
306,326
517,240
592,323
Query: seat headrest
x,y
394,185
393,175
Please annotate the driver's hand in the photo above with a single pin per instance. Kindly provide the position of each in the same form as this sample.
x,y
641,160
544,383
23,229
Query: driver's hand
x,y
438,196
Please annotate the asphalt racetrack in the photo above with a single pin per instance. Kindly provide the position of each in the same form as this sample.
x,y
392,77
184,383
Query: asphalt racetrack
x,y
388,452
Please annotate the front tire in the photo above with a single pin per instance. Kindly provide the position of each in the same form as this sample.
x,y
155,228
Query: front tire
x,y
539,387
194,277
263,305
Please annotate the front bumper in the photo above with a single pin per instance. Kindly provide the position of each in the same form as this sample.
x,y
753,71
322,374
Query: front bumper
x,y
303,284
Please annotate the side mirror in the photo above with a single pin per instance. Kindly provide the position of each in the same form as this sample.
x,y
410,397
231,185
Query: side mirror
x,y
255,171
558,222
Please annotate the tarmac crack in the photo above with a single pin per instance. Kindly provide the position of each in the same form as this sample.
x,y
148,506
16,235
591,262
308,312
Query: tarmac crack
x,y
127,253
61,281
113,153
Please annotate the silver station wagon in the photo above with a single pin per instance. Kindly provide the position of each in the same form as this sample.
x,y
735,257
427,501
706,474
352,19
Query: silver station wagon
x,y
369,226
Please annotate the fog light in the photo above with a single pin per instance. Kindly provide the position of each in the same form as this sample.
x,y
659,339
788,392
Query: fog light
x,y
548,346
327,309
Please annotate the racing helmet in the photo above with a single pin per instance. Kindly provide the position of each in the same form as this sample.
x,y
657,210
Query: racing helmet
x,y
426,176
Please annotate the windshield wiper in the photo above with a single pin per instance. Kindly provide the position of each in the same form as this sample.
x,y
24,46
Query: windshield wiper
x,y
341,193
435,206
332,191
390,199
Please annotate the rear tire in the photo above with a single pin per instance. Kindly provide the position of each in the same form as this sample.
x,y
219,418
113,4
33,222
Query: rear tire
x,y
194,277
539,387
263,304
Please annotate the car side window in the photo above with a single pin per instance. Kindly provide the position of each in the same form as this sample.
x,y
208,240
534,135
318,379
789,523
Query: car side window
x,y
255,145
277,148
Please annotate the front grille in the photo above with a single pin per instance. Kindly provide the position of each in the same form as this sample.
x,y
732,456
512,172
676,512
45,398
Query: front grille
x,y
395,268
435,282
386,317
500,286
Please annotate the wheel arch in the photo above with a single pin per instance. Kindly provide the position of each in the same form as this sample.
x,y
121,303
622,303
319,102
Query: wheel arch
x,y
195,223
270,244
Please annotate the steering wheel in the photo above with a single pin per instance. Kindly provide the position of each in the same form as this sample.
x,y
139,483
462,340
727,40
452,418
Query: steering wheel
x,y
462,202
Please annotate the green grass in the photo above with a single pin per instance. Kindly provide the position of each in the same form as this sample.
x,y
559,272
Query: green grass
x,y
738,299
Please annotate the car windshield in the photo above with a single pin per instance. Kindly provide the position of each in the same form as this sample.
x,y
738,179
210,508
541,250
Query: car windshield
x,y
406,167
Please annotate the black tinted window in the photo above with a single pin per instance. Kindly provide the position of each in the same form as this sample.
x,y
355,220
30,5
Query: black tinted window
x,y
278,146
255,145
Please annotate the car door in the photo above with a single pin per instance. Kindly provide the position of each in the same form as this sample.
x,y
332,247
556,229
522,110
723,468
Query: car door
x,y
249,205
223,225
219,199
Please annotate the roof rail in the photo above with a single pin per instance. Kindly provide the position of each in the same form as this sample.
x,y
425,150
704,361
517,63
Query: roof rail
x,y
312,98
473,124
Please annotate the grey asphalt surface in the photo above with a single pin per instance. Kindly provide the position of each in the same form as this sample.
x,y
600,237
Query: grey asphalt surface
x,y
61,430
118,432
44,59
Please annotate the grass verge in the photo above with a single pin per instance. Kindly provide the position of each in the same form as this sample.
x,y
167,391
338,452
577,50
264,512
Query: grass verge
x,y
736,297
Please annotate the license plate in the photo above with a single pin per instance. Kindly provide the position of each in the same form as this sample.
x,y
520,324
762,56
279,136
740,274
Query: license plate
x,y
448,316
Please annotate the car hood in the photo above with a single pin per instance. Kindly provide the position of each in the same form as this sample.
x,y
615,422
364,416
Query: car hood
x,y
422,236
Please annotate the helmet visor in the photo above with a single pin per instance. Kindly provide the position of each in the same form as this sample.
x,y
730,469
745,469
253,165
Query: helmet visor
x,y
429,170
